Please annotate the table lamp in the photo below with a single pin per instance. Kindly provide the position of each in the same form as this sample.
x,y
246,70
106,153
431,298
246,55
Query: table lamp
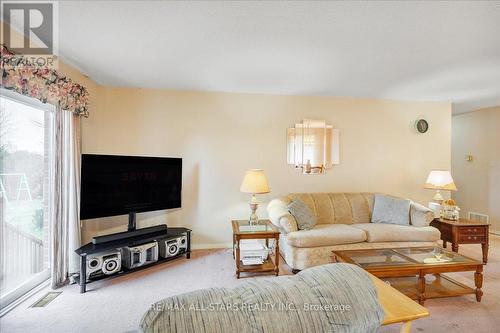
x,y
255,182
440,180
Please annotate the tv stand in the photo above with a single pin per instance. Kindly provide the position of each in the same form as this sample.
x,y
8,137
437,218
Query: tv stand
x,y
131,232
132,221
131,241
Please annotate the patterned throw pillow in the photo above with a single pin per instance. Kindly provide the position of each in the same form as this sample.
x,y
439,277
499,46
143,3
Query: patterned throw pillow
x,y
387,209
303,215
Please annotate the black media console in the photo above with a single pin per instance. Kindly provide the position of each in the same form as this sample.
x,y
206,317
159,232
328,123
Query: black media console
x,y
126,252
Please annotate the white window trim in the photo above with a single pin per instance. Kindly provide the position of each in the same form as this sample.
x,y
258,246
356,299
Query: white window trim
x,y
29,101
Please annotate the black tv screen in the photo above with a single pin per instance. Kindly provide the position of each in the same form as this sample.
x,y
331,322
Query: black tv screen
x,y
117,185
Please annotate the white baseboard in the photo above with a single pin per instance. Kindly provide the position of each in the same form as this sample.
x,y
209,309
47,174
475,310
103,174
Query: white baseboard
x,y
211,246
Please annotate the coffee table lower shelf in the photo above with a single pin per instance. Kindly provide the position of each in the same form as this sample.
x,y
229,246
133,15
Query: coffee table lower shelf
x,y
442,286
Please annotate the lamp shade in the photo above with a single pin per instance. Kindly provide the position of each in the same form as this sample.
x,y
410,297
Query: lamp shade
x,y
255,182
440,180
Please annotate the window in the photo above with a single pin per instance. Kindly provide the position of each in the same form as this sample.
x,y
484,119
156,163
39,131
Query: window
x,y
26,156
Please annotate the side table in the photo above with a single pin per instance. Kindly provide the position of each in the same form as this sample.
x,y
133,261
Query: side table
x,y
263,230
464,231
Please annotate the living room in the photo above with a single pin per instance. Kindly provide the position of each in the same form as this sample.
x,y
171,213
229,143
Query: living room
x,y
358,139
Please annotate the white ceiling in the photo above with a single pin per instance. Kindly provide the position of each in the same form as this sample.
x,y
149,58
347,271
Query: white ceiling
x,y
432,51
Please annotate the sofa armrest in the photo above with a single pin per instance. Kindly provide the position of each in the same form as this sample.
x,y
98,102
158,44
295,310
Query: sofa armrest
x,y
420,216
280,216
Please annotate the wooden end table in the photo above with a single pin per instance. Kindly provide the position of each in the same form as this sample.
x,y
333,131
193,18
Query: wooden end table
x,y
464,231
263,230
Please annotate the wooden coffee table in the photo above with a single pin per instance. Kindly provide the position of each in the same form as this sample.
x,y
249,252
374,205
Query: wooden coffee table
x,y
398,308
405,269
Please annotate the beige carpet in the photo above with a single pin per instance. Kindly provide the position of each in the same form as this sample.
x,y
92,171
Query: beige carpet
x,y
117,305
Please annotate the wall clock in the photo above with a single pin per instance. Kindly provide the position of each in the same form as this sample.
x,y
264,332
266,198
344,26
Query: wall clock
x,y
422,126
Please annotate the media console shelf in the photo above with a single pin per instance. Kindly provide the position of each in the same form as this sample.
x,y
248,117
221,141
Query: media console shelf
x,y
91,248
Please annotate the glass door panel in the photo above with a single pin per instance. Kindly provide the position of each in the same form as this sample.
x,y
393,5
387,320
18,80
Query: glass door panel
x,y
25,174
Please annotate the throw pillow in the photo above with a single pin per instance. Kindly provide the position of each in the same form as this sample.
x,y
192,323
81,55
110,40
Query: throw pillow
x,y
387,209
421,216
302,214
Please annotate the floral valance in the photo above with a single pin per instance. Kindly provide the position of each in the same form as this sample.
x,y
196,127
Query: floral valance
x,y
43,83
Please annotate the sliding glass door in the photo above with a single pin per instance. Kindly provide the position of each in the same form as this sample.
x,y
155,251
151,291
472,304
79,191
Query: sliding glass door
x,y
26,158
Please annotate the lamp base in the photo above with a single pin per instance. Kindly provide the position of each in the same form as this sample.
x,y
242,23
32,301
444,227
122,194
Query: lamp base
x,y
254,219
254,204
438,197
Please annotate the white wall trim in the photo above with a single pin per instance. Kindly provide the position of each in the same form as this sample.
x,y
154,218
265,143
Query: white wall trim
x,y
211,246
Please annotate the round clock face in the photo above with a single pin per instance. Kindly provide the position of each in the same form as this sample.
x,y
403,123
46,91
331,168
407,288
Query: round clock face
x,y
422,125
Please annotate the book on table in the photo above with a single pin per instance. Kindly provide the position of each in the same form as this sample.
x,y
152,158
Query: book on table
x,y
253,252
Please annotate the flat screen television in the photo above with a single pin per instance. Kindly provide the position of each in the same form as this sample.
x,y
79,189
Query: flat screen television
x,y
117,185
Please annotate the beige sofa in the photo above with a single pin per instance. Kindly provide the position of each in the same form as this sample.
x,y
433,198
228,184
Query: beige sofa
x,y
343,222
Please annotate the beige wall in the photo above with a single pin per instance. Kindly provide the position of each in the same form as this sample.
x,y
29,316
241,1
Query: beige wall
x,y
220,135
478,134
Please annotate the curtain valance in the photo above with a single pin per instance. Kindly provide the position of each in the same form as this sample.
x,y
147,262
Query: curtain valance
x,y
43,83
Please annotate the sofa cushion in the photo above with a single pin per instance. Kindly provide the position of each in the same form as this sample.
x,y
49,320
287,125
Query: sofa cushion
x,y
387,209
340,208
420,215
325,235
384,232
305,218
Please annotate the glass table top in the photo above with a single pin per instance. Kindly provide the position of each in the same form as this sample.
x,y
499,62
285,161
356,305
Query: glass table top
x,y
403,257
432,255
243,227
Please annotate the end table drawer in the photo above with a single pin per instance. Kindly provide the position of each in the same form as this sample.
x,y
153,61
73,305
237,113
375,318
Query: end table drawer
x,y
463,238
473,231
